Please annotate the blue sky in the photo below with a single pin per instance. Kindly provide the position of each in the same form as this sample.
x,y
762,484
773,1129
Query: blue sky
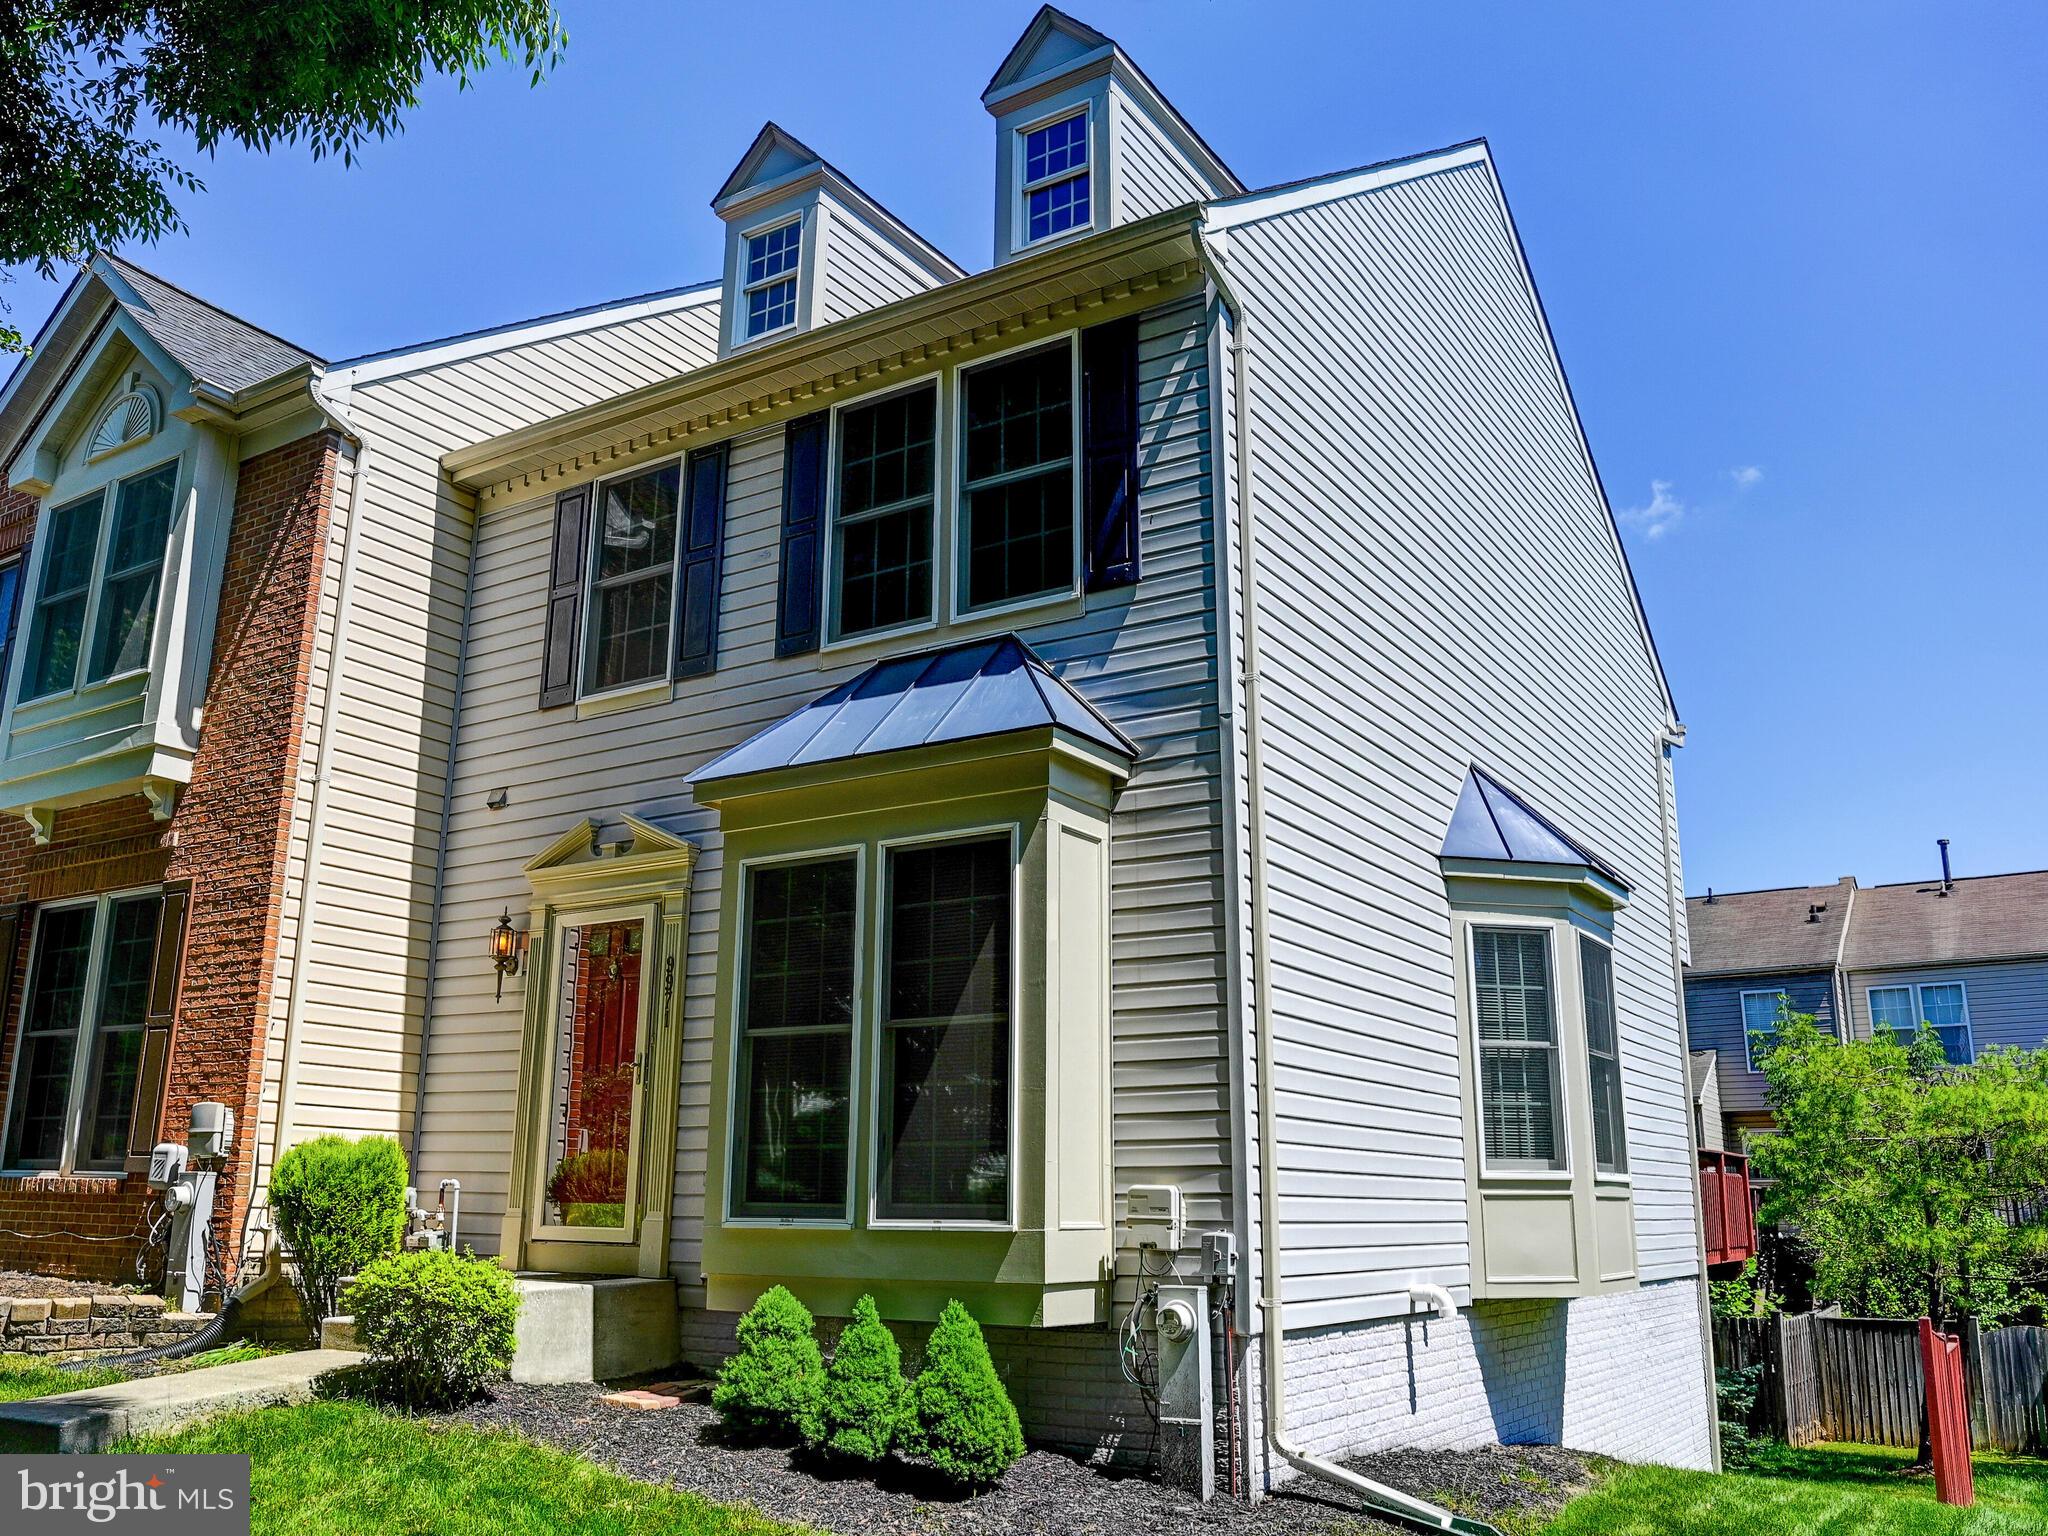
x,y
1796,256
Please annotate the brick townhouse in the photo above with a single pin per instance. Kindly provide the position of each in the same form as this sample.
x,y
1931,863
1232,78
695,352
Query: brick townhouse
x,y
164,531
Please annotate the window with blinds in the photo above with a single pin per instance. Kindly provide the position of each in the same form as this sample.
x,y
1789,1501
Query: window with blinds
x,y
1514,1004
946,1034
1603,1056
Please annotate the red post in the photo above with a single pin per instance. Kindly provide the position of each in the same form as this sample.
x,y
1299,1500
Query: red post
x,y
1948,1414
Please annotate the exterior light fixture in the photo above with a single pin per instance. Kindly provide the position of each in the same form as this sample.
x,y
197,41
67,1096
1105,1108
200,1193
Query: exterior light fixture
x,y
507,943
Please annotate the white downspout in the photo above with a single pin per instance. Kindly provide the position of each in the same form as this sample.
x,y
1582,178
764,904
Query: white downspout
x,y
1667,739
316,816
1273,1344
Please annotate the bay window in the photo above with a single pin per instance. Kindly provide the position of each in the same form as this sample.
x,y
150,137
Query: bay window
x,y
110,583
1603,1056
945,1080
794,1064
79,1056
1519,1109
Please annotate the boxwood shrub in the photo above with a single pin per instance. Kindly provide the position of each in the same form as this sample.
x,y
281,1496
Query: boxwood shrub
x,y
340,1206
436,1325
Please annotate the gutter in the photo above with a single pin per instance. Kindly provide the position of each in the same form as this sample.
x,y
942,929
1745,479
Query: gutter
x,y
316,816
1377,1497
1661,745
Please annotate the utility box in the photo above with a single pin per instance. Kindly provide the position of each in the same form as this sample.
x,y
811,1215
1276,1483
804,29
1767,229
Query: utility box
x,y
1187,1427
1155,1217
212,1135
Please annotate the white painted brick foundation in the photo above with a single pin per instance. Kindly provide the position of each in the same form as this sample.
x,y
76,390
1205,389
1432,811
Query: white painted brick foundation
x,y
1618,1375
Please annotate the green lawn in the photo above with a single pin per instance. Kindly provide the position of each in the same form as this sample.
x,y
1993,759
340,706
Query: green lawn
x,y
343,1469
1837,1490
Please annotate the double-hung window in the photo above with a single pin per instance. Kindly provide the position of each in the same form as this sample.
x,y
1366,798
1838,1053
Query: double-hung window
x,y
1054,180
794,1067
1603,1056
632,576
1944,1006
882,523
10,597
769,292
1761,1012
945,1027
80,1051
1521,1111
104,572
1017,496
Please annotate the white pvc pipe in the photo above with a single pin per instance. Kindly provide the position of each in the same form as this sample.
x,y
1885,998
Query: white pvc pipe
x,y
1435,1297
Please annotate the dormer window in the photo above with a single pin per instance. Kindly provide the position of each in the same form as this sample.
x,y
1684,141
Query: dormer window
x,y
1054,182
770,293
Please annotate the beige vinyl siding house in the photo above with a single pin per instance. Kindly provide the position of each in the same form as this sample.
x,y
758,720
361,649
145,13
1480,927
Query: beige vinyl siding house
x,y
1368,695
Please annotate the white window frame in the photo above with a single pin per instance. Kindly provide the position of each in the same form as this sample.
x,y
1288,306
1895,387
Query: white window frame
x,y
1917,991
108,489
878,1029
735,1111
1620,1173
1020,203
794,276
1503,922
831,638
1778,996
586,662
102,903
957,608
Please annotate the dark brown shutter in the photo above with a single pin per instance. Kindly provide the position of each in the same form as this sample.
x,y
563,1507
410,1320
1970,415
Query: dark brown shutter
x,y
1109,452
10,944
697,573
803,513
164,979
562,642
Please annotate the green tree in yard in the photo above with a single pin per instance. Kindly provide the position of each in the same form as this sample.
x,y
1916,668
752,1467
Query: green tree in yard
x,y
770,1388
86,85
965,1424
865,1399
1916,1187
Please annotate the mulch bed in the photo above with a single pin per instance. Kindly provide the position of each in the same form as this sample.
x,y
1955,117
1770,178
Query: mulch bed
x,y
685,1447
20,1284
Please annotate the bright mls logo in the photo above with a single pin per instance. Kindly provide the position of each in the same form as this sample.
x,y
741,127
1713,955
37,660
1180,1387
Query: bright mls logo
x,y
163,1495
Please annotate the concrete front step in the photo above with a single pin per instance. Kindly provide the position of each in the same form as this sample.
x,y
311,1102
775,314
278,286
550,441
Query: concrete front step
x,y
593,1328
95,1418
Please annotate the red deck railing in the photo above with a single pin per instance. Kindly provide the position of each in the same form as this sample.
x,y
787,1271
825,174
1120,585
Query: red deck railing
x,y
1725,1205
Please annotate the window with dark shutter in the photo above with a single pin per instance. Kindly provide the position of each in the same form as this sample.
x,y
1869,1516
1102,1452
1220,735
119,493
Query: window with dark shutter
x,y
560,643
1109,453
165,972
701,557
803,506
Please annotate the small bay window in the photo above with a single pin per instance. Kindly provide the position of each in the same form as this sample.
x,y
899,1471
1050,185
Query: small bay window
x,y
109,583
914,984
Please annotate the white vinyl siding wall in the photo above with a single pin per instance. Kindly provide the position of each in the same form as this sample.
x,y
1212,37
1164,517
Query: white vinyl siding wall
x,y
861,269
355,1052
1145,656
1151,174
1440,584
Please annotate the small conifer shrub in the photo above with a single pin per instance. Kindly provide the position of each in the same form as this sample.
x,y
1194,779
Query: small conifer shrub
x,y
771,1386
964,1424
865,1399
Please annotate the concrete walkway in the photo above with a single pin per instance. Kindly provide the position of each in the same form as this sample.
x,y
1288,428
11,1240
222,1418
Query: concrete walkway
x,y
92,1420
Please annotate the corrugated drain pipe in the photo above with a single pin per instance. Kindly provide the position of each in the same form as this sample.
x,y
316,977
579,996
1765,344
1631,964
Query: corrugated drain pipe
x,y
1378,1497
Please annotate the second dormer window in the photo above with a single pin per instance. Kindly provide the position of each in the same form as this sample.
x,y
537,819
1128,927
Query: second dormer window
x,y
770,287
1055,182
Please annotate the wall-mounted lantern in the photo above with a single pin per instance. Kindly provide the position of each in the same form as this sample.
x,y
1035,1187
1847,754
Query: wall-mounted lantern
x,y
508,946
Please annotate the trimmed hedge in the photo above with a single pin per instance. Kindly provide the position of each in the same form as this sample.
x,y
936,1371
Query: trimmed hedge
x,y
771,1386
865,1401
437,1325
965,1424
340,1206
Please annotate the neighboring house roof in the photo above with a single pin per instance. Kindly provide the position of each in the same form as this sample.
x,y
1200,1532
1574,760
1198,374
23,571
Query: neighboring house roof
x,y
1701,1066
1757,931
212,345
959,693
1985,917
1494,824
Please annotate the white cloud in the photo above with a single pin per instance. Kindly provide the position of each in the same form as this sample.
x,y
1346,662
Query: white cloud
x,y
1659,516
1746,475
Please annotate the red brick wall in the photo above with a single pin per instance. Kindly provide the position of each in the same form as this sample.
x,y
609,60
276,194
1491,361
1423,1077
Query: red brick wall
x,y
229,837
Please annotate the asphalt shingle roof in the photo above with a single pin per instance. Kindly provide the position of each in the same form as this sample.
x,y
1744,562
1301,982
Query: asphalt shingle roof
x,y
1985,917
1768,930
207,342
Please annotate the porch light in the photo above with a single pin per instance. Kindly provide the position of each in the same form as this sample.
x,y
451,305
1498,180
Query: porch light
x,y
506,945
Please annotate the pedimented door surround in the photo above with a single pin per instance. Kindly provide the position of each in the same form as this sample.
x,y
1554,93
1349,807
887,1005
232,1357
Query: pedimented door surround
x,y
600,1051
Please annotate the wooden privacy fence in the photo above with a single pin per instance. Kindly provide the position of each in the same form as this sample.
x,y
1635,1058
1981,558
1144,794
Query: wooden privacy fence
x,y
1859,1379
